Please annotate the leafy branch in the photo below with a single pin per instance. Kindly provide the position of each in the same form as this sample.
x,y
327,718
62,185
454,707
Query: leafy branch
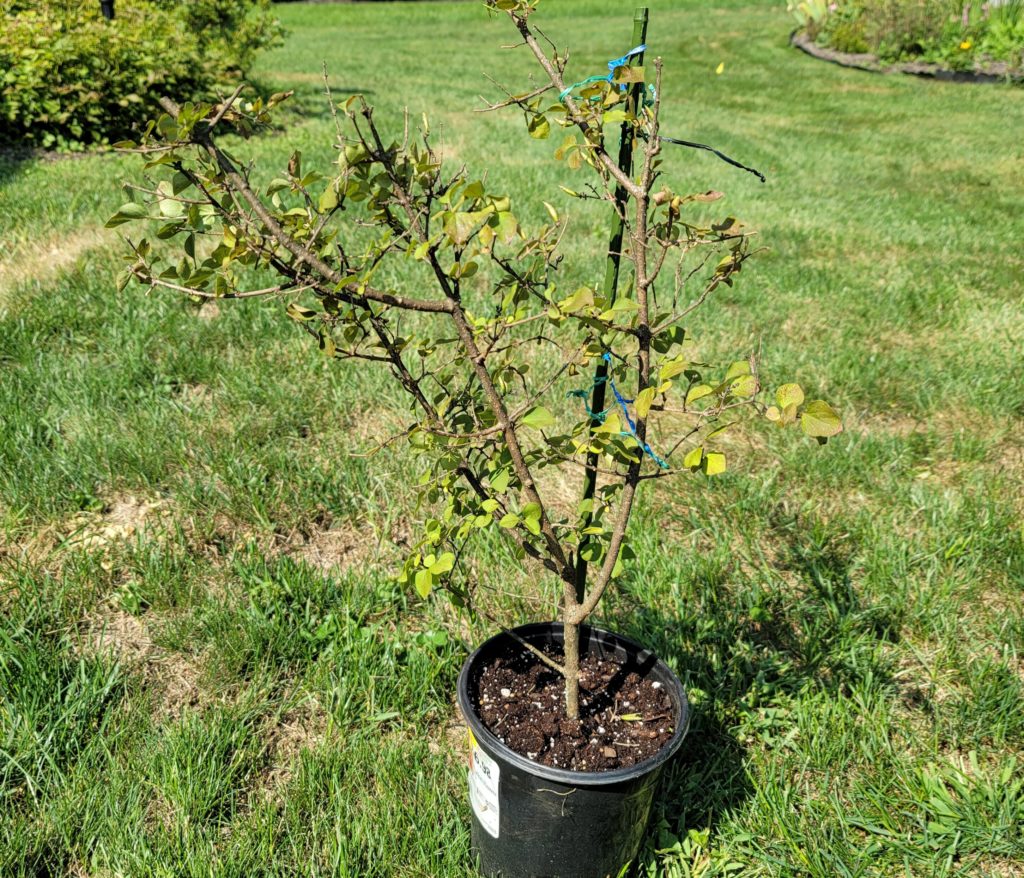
x,y
481,334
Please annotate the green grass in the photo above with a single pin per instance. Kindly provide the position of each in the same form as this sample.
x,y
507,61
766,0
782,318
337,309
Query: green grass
x,y
205,668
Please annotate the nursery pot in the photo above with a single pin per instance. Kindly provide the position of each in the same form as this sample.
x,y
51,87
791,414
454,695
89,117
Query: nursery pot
x,y
532,821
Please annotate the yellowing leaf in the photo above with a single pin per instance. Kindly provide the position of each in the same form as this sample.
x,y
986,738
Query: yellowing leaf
x,y
789,394
743,387
713,463
672,368
820,420
443,564
299,312
738,368
694,457
698,391
424,581
644,400
539,127
720,68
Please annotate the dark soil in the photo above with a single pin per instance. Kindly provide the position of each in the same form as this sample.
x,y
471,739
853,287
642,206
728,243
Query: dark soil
x,y
624,718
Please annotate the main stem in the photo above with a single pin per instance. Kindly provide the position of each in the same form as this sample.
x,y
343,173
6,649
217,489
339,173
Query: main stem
x,y
574,594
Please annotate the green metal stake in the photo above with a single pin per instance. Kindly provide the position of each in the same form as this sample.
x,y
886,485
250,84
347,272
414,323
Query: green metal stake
x,y
611,280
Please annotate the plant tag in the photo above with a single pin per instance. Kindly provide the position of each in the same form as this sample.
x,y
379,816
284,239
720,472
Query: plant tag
x,y
483,787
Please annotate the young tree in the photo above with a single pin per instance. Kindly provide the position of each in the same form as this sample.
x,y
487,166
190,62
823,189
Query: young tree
x,y
482,336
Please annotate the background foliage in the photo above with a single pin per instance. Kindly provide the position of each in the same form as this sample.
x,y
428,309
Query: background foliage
x,y
69,79
953,33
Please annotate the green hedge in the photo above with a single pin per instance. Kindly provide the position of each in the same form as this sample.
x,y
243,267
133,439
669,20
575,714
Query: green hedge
x,y
70,80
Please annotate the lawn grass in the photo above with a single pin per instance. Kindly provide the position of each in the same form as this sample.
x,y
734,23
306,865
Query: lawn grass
x,y
205,667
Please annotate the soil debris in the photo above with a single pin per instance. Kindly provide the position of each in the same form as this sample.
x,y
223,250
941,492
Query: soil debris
x,y
624,718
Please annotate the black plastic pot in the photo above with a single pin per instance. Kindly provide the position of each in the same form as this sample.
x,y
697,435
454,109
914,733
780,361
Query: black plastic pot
x,y
532,821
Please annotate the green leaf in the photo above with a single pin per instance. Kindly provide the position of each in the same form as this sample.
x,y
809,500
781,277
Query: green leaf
x,y
531,518
820,420
509,520
500,480
489,505
424,581
329,199
443,564
582,298
126,213
789,394
538,418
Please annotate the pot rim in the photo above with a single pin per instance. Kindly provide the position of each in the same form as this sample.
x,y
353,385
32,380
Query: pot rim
x,y
563,775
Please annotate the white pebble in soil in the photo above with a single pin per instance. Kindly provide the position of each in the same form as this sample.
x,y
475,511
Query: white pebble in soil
x,y
655,685
506,693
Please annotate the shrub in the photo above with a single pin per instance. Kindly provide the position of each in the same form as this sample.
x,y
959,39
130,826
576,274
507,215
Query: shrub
x,y
71,80
481,330
952,33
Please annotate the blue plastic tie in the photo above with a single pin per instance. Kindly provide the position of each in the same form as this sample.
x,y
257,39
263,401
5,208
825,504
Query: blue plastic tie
x,y
612,65
622,62
623,404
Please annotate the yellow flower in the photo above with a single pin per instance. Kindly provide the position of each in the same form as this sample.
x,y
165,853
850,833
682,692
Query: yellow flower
x,y
965,45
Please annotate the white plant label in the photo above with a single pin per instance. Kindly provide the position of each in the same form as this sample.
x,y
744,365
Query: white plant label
x,y
483,787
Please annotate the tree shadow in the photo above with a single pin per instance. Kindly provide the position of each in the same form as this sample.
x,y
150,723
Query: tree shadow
x,y
13,159
742,649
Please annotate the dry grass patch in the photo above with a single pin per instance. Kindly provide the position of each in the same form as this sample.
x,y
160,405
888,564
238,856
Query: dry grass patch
x,y
171,678
305,727
337,548
122,517
451,738
42,260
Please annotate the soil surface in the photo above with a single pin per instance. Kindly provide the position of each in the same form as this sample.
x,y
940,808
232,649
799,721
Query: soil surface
x,y
624,718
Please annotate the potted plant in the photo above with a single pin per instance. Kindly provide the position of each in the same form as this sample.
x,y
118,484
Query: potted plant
x,y
510,376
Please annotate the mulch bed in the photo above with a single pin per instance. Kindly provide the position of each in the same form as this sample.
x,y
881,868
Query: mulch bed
x,y
996,72
624,718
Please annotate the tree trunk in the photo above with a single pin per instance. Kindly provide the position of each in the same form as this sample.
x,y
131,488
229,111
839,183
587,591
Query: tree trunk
x,y
571,663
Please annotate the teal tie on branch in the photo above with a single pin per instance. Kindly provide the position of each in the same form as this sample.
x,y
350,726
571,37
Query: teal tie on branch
x,y
600,417
614,64
623,61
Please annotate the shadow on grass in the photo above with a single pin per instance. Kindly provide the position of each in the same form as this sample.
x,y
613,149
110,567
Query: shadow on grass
x,y
747,654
